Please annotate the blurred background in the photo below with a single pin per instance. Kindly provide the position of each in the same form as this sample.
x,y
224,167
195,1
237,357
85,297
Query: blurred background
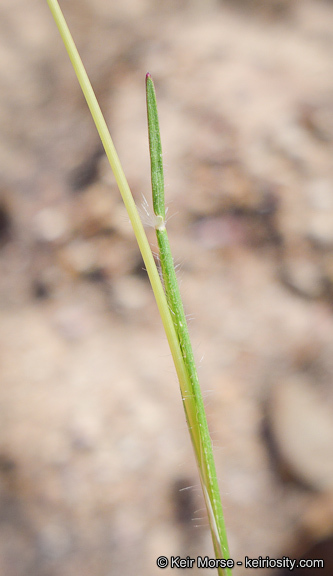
x,y
97,475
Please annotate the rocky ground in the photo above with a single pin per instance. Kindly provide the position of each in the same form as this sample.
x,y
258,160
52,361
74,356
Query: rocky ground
x,y
94,452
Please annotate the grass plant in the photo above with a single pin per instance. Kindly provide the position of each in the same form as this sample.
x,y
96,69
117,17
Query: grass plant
x,y
168,297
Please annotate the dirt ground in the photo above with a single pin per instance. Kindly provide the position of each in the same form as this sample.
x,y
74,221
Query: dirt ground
x,y
97,475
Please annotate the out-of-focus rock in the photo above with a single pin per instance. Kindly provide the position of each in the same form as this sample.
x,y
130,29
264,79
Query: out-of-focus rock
x,y
301,421
320,229
51,225
320,194
318,120
303,275
317,520
79,257
94,211
130,293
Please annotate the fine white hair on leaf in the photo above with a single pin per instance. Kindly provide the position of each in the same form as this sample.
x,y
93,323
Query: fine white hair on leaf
x,y
215,436
146,213
193,488
200,521
201,510
217,448
177,267
168,216
207,394
186,488
156,255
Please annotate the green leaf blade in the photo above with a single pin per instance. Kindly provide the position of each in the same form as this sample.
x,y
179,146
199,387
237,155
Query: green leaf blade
x,y
192,397
155,147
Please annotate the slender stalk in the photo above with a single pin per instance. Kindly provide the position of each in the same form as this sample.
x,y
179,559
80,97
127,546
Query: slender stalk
x,y
197,419
123,187
177,338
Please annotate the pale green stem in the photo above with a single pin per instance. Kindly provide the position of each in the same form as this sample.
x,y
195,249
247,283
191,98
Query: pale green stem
x,y
194,414
123,187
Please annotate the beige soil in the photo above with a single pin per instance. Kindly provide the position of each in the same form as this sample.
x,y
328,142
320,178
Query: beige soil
x,y
94,450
